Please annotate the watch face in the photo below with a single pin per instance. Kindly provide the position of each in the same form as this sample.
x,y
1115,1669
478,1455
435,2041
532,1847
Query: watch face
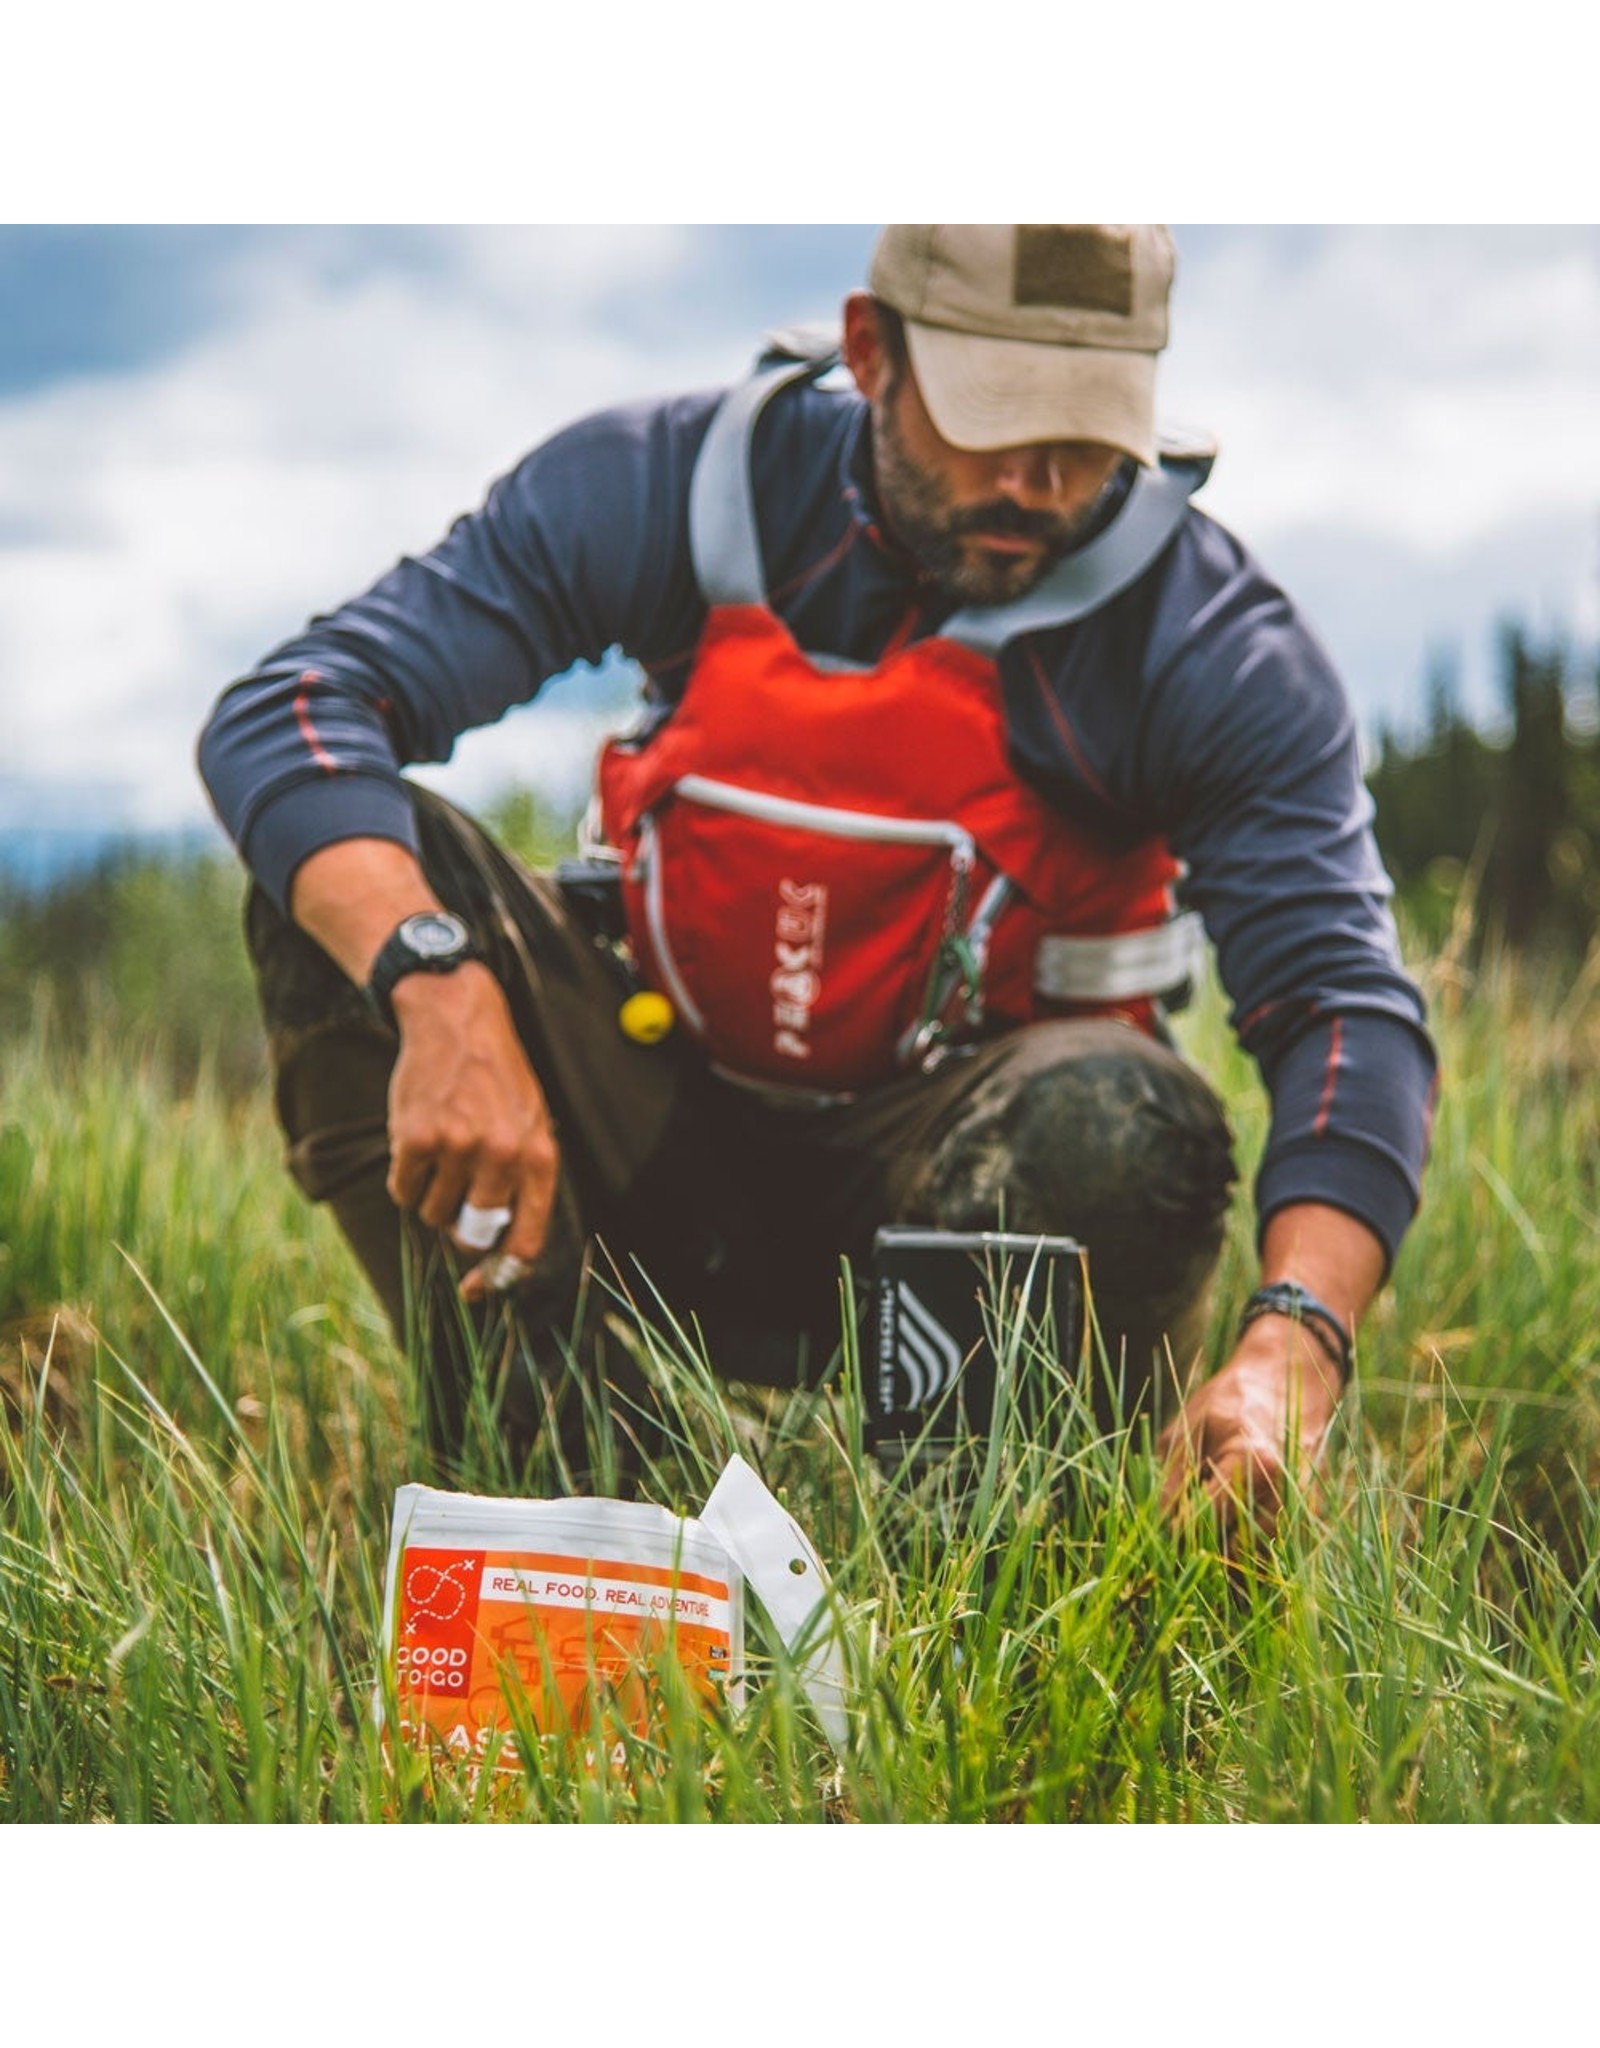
x,y
433,933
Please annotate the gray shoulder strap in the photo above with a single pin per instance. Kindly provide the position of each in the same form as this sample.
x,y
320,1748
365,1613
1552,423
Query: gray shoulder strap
x,y
1084,581
723,539
726,549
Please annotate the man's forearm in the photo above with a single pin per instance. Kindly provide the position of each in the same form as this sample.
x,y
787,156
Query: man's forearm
x,y
350,896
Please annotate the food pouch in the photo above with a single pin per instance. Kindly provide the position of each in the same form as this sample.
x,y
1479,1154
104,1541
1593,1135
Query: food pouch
x,y
559,1613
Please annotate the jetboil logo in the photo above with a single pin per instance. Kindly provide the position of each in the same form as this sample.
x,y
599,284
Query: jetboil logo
x,y
797,978
912,1336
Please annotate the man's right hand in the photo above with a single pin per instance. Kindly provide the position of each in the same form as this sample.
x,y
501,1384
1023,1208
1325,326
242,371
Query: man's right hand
x,y
468,1120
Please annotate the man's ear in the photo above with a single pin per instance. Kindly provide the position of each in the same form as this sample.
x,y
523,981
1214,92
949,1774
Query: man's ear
x,y
864,353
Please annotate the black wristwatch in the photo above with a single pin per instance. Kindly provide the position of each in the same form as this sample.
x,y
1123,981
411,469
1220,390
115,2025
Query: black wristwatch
x,y
430,942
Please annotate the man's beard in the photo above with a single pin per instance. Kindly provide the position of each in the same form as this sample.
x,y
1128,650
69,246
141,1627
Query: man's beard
x,y
925,522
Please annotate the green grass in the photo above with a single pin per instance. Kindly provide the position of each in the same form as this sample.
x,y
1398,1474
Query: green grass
x,y
205,1425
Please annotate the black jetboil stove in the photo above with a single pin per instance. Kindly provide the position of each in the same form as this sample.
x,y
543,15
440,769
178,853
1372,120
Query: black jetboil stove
x,y
942,1300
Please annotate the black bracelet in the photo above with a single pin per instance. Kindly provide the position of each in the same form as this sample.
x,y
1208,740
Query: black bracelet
x,y
1289,1298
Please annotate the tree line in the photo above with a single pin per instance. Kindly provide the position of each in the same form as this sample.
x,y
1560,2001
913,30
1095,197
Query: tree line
x,y
1500,824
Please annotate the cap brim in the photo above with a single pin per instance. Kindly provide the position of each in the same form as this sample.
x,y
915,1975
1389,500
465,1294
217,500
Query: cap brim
x,y
985,393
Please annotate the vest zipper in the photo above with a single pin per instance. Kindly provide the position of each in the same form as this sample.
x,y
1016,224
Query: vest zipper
x,y
827,818
648,870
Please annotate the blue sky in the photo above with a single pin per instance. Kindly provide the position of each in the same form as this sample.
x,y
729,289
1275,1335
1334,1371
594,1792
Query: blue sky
x,y
207,434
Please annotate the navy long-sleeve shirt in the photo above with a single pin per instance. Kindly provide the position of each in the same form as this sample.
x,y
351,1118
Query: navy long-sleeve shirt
x,y
1196,705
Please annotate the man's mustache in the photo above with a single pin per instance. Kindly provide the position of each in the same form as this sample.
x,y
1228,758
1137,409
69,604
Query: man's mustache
x,y
1012,521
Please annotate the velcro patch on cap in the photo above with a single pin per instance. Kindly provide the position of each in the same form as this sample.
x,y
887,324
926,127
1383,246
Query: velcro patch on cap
x,y
1085,269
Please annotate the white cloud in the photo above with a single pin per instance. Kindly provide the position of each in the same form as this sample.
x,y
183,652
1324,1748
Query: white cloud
x,y
192,515
1424,385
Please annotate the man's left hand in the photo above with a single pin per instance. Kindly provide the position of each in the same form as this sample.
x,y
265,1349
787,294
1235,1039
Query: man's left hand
x,y
1239,1440
1263,1419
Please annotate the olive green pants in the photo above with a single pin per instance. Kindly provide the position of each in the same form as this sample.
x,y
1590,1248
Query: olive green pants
x,y
680,1193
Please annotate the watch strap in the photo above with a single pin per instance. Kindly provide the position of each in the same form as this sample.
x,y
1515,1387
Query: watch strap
x,y
398,957
1289,1298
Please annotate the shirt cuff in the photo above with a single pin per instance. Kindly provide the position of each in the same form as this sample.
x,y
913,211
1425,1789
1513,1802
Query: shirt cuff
x,y
311,815
1345,1176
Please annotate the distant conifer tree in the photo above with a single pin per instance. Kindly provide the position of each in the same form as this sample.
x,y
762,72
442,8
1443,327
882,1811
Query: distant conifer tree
x,y
1519,819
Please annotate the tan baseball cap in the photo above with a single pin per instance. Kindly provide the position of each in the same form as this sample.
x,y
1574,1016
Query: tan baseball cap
x,y
1022,334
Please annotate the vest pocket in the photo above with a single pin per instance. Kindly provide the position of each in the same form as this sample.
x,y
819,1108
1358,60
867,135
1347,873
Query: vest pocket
x,y
806,945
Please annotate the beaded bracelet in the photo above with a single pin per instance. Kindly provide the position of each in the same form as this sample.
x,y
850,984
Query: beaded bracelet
x,y
1289,1298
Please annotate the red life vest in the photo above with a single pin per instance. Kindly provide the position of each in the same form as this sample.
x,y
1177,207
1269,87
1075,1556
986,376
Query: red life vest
x,y
831,874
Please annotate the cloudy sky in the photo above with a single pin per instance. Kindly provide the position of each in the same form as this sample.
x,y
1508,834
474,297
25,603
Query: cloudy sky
x,y
208,434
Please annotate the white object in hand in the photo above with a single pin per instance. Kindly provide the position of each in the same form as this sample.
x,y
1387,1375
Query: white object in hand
x,y
477,1229
504,1271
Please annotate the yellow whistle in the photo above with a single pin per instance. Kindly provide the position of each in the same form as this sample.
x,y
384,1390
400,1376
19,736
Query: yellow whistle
x,y
646,1017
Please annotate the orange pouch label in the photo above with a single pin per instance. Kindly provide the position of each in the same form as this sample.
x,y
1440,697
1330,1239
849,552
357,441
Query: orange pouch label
x,y
554,1616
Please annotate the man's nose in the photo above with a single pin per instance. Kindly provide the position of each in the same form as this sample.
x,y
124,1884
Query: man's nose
x,y
1029,475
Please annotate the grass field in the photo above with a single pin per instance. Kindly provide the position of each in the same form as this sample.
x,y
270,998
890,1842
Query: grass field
x,y
205,1422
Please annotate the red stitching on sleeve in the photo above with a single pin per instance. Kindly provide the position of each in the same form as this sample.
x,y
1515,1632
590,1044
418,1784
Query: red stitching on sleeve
x,y
308,732
1319,1128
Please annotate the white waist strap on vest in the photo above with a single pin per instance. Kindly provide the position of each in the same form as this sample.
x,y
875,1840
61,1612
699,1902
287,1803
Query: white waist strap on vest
x,y
725,545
